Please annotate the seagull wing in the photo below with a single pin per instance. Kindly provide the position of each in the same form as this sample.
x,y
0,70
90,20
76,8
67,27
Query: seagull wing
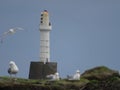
x,y
9,70
18,28
3,36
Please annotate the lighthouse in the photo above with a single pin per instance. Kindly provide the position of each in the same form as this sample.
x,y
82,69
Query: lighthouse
x,y
45,28
43,67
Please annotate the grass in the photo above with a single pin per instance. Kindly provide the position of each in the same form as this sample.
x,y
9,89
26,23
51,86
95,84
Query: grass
x,y
5,81
101,73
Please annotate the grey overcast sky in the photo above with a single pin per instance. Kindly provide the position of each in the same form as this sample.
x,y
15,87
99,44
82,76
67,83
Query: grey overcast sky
x,y
85,34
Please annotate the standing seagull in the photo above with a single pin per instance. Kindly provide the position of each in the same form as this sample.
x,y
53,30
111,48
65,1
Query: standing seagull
x,y
13,69
9,32
76,76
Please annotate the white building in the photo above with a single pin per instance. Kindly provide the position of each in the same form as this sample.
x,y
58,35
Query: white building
x,y
45,28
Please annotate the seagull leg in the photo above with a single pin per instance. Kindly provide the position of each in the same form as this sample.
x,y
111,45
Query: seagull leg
x,y
15,77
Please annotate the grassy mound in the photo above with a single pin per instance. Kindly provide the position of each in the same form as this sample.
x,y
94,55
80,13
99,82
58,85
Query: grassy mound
x,y
99,73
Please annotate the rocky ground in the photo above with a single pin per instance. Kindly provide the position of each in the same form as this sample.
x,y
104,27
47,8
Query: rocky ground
x,y
98,78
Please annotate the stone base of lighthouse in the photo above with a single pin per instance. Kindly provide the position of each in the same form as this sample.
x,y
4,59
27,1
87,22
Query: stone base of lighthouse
x,y
39,70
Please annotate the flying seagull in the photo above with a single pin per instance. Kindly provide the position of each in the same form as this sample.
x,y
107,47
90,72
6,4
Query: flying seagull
x,y
13,69
10,32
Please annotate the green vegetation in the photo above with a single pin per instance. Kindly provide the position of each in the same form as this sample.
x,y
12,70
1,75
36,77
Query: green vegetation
x,y
99,73
97,78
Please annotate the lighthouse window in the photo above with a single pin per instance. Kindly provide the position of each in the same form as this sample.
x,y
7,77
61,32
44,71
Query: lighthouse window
x,y
49,24
41,14
41,21
41,18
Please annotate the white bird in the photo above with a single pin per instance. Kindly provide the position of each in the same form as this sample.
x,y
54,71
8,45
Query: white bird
x,y
9,32
76,76
13,69
53,76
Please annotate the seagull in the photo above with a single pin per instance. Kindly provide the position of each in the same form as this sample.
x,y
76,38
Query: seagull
x,y
76,76
10,32
53,76
13,69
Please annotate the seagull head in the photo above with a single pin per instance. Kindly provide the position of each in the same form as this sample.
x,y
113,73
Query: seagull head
x,y
57,74
12,63
77,71
12,31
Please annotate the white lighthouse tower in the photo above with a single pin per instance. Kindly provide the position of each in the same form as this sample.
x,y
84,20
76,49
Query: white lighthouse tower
x,y
45,28
42,68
